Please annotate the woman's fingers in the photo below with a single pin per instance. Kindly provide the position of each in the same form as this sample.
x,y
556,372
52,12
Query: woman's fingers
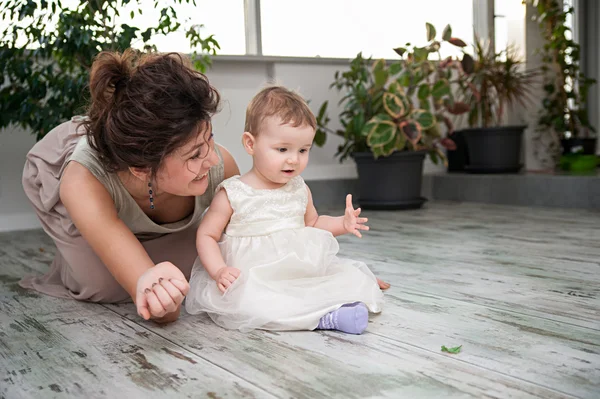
x,y
174,292
142,306
182,286
156,308
164,298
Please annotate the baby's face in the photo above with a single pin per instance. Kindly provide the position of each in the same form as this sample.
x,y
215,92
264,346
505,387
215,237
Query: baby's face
x,y
281,151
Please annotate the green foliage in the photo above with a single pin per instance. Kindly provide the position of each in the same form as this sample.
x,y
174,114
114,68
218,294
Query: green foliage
x,y
492,81
565,86
397,107
46,51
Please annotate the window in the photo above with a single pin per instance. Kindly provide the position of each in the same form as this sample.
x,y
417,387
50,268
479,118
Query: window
x,y
224,19
342,28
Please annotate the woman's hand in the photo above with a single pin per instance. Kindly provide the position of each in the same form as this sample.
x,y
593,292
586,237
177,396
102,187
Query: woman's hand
x,y
225,277
160,291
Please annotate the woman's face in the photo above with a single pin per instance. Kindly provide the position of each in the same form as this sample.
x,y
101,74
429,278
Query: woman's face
x,y
185,171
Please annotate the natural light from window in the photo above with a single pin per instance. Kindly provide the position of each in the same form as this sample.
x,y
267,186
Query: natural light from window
x,y
342,28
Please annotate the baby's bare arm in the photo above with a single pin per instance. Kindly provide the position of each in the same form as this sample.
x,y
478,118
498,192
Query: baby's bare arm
x,y
335,225
209,233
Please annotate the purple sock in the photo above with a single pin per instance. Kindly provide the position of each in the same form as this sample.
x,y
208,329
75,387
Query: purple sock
x,y
350,318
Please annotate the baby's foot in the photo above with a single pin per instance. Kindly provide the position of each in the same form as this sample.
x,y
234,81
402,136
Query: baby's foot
x,y
351,318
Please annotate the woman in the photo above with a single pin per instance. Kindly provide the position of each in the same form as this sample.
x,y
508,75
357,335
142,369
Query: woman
x,y
122,191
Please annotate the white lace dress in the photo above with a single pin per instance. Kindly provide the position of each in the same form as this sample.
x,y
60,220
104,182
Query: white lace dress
x,y
290,274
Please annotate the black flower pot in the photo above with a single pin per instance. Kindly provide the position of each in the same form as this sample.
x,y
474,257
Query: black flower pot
x,y
458,159
392,182
494,150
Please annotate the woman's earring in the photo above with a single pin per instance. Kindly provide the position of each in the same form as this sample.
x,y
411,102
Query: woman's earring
x,y
151,197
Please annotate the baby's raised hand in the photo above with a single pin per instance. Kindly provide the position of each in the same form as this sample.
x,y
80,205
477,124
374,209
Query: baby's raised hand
x,y
225,277
353,223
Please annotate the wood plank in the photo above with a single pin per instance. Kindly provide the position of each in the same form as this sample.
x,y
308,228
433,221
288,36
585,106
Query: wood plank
x,y
491,285
331,364
53,347
560,356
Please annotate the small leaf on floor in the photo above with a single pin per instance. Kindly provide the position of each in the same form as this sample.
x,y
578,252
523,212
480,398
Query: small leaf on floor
x,y
454,350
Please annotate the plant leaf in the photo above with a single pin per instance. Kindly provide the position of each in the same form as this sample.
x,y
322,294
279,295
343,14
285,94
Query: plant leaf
x,y
421,54
393,105
440,88
468,64
457,42
448,143
400,51
424,118
395,68
430,31
390,147
382,133
458,108
380,73
396,88
404,79
320,138
447,33
454,350
423,92
412,131
373,122
400,142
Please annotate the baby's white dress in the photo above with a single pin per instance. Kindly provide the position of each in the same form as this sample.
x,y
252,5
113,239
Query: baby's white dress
x,y
290,274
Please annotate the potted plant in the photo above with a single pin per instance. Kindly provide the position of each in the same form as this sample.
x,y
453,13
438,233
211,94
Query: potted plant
x,y
492,82
564,128
393,116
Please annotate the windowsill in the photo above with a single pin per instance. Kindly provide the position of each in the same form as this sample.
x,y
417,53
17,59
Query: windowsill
x,y
283,59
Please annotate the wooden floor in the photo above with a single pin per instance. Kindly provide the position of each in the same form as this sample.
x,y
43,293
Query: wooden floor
x,y
518,288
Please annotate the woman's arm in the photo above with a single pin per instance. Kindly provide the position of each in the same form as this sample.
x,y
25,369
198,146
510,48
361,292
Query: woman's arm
x,y
93,212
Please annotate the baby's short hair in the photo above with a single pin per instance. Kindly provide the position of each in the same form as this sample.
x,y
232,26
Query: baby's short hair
x,y
278,101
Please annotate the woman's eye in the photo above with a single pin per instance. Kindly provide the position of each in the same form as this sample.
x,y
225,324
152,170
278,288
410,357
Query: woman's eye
x,y
282,149
302,151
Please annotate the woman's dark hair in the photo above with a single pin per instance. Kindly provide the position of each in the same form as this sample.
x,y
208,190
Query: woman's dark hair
x,y
144,106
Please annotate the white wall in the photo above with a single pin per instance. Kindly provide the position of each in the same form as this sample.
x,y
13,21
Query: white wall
x,y
15,210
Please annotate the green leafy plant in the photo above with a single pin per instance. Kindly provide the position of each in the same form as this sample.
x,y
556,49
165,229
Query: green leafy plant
x,y
396,107
565,86
454,350
493,81
46,51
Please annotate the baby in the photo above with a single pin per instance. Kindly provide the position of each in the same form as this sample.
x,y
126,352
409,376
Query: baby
x,y
266,259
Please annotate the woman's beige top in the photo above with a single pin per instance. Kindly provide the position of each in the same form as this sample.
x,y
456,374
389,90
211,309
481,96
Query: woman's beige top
x,y
128,210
